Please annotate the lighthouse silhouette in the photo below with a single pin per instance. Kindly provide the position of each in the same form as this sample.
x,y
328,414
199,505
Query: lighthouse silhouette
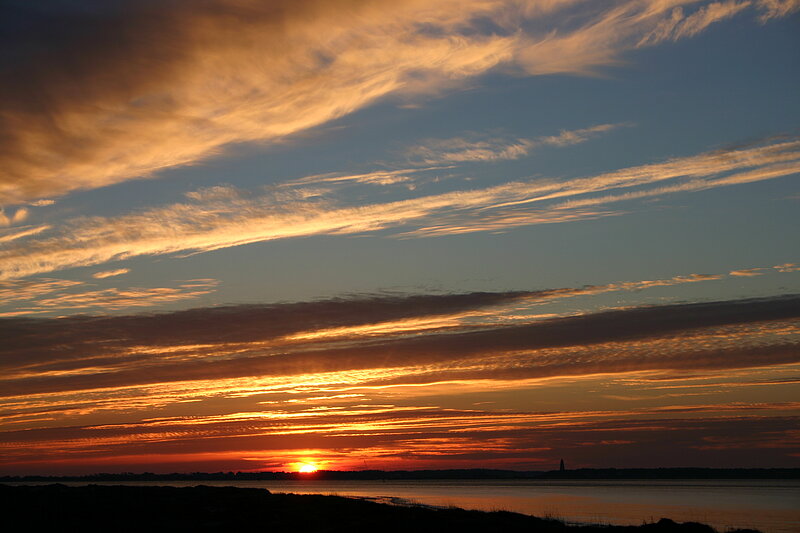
x,y
561,466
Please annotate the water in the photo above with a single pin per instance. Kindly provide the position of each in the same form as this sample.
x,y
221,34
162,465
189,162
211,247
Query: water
x,y
772,506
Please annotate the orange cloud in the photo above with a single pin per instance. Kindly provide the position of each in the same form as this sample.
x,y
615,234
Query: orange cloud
x,y
435,151
22,233
206,76
748,272
113,299
449,437
128,89
124,298
225,386
270,348
110,273
787,267
378,177
20,215
223,217
32,288
678,26
777,8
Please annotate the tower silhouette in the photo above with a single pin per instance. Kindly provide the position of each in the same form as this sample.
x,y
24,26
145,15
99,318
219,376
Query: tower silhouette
x,y
561,466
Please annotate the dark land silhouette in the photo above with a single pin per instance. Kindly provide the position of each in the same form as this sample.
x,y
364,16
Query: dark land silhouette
x,y
476,473
201,508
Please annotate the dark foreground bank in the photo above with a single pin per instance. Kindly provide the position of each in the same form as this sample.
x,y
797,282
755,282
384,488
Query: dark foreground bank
x,y
202,508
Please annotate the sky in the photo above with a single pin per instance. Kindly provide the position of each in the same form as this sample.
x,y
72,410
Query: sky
x,y
243,235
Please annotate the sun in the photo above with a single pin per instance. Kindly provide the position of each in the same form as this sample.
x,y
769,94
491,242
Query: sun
x,y
307,468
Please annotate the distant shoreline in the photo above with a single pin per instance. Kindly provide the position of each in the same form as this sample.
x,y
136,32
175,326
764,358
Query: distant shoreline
x,y
203,508
476,474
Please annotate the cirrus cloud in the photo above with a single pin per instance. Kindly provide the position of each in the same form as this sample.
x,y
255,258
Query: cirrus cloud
x,y
222,217
95,94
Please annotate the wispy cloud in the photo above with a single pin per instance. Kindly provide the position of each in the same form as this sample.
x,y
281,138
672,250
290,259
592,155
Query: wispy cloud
x,y
130,88
110,273
223,216
22,233
33,291
368,376
27,289
243,343
570,137
474,148
20,215
787,267
378,177
419,436
748,272
777,8
679,25
270,326
126,298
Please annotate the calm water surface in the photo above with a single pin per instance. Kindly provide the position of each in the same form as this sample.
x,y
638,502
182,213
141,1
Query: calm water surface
x,y
773,506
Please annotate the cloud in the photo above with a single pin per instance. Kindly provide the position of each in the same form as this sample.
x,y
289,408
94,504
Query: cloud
x,y
22,233
777,8
20,215
787,267
436,151
592,207
121,91
97,94
116,299
110,273
252,383
223,217
271,326
432,151
678,26
378,177
599,40
389,435
28,289
126,298
250,323
245,343
113,299
748,272
492,316
570,137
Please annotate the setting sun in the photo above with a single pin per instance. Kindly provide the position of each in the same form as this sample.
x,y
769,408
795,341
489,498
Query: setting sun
x,y
307,468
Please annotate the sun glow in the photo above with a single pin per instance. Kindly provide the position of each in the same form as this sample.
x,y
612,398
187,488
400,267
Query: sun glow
x,y
307,468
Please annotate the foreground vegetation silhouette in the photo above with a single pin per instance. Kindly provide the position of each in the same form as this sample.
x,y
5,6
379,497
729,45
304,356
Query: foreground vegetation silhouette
x,y
202,508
